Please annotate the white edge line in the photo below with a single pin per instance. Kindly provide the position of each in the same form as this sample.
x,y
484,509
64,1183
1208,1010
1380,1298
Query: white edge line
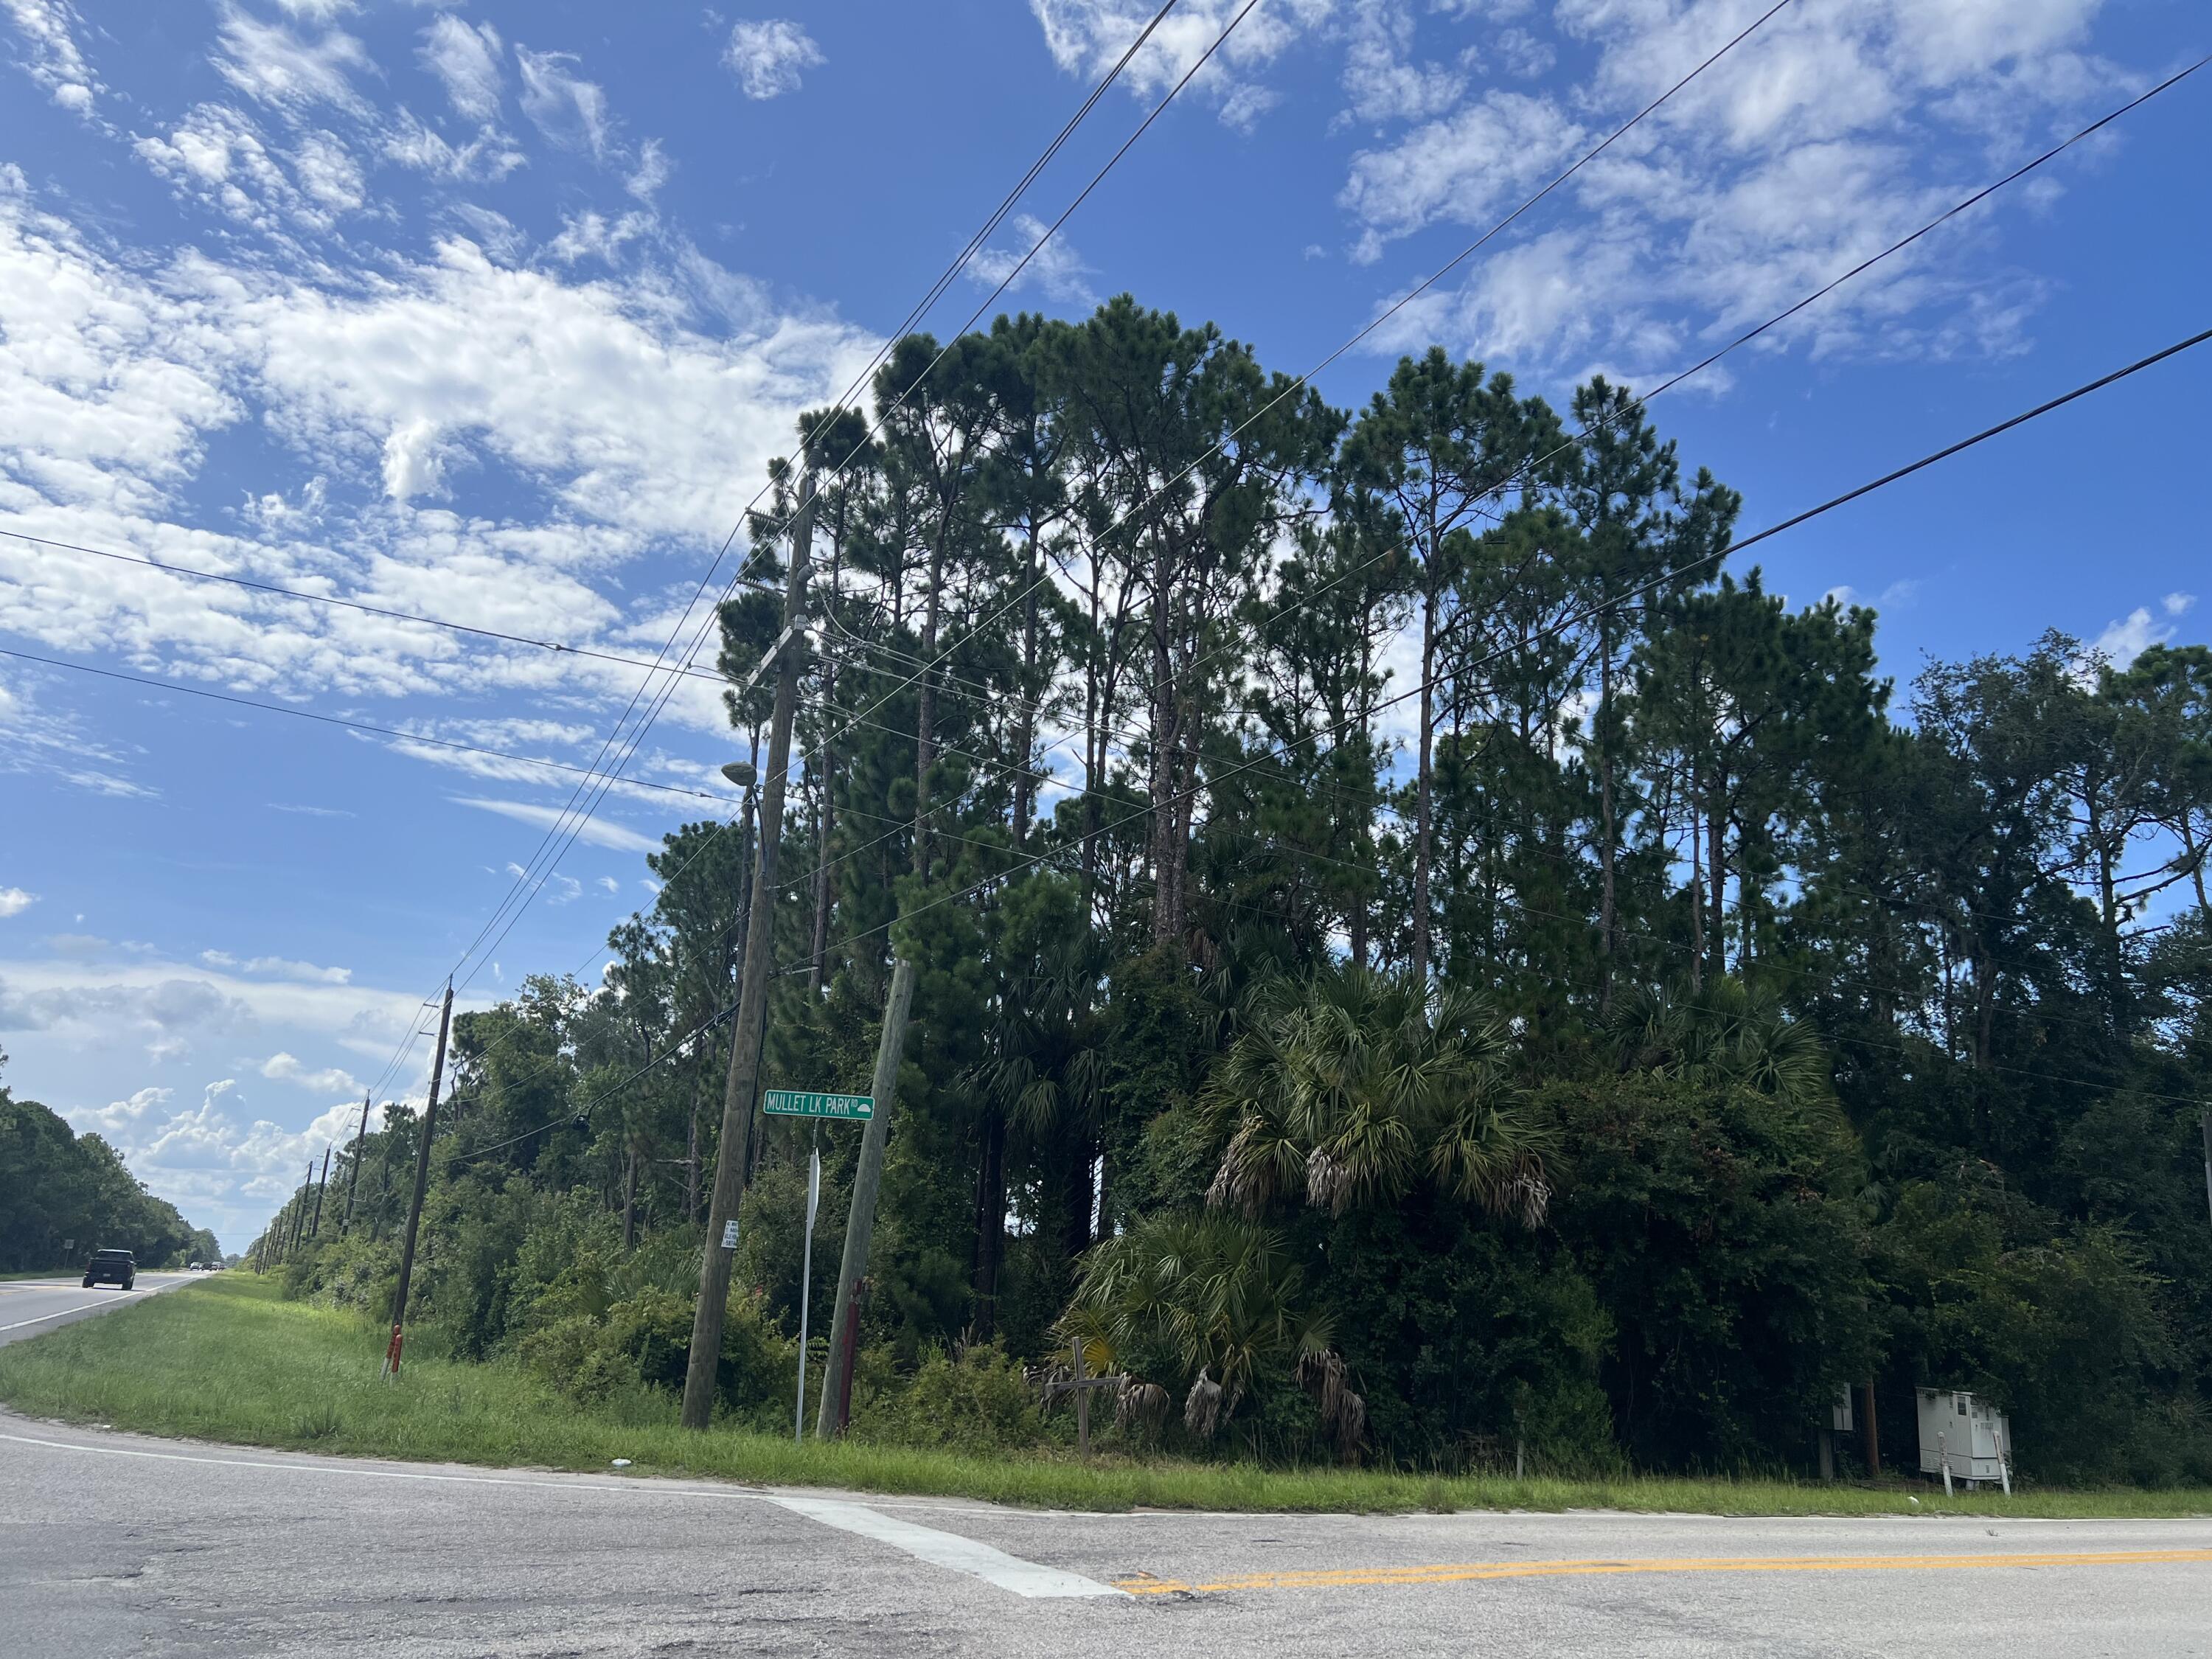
x,y
64,1313
578,1483
944,1549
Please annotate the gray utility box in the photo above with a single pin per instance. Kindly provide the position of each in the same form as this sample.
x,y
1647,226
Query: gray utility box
x,y
1969,1435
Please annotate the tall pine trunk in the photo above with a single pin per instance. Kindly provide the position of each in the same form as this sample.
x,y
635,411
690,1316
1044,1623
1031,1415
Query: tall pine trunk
x,y
1424,831
925,719
1609,830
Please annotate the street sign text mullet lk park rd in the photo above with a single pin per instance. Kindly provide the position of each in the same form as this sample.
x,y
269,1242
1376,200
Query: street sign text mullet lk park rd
x,y
807,1103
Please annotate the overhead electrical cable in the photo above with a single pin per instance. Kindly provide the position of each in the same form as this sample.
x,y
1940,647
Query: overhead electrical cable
x,y
859,719
1426,283
550,854
391,732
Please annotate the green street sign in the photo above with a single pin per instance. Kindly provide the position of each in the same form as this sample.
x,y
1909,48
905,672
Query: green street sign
x,y
808,1103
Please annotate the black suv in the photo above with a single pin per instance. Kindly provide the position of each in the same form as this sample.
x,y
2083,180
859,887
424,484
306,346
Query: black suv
x,y
110,1267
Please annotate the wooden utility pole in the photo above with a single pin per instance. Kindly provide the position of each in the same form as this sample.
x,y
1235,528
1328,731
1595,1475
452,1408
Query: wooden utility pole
x,y
1873,1435
353,1175
860,1220
300,1210
733,1153
422,1181
315,1227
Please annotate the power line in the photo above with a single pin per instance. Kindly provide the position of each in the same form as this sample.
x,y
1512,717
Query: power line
x,y
1431,281
691,650
147,563
351,725
590,806
1526,468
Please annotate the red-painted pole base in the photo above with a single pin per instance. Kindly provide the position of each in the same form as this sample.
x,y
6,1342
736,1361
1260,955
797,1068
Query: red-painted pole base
x,y
391,1354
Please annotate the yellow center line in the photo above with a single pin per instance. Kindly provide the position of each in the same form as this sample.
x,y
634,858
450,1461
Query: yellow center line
x,y
1462,1572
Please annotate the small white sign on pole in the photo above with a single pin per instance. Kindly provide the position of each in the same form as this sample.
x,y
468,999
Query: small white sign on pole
x,y
730,1234
805,1283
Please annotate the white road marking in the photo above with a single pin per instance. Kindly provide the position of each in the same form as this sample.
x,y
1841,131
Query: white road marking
x,y
947,1549
107,1302
942,1549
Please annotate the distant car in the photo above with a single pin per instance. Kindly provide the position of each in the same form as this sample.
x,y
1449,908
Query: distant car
x,y
111,1267
196,1267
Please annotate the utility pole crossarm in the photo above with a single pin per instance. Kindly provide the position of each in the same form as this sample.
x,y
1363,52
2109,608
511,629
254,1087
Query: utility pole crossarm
x,y
769,656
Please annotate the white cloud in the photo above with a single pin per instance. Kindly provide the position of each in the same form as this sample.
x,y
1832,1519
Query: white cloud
x,y
282,1067
327,170
1465,166
14,900
306,972
1897,595
1086,38
2124,641
82,1002
590,235
439,434
610,884
273,66
2175,605
1821,138
768,54
1523,53
1056,267
1381,79
568,109
412,464
311,811
598,831
52,55
488,157
466,58
654,169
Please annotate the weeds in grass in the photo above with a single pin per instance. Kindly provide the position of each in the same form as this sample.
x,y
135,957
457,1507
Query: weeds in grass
x,y
226,1360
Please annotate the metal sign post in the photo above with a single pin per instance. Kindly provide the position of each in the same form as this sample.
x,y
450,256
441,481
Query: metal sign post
x,y
805,1283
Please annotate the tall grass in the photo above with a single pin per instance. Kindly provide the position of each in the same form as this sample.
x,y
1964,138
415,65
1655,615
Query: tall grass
x,y
226,1360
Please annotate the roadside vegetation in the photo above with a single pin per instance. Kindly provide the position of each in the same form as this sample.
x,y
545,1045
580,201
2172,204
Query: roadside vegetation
x,y
1478,985
64,1196
229,1360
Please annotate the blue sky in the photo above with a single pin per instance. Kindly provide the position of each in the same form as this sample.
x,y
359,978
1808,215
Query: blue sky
x,y
494,312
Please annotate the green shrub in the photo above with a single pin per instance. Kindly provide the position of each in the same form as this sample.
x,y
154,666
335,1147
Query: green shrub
x,y
979,1402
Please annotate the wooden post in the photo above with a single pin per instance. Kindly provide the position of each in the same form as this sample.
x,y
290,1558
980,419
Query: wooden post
x,y
1081,1400
315,1227
1873,1434
421,1181
353,1175
836,1407
300,1212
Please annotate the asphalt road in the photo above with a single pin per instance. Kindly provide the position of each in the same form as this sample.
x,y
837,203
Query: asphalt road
x,y
31,1307
111,1544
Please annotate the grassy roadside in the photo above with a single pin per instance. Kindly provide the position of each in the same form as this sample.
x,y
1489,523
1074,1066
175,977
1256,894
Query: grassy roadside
x,y
226,1360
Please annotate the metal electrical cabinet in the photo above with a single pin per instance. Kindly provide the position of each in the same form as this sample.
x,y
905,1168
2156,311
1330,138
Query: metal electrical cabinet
x,y
1964,1437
